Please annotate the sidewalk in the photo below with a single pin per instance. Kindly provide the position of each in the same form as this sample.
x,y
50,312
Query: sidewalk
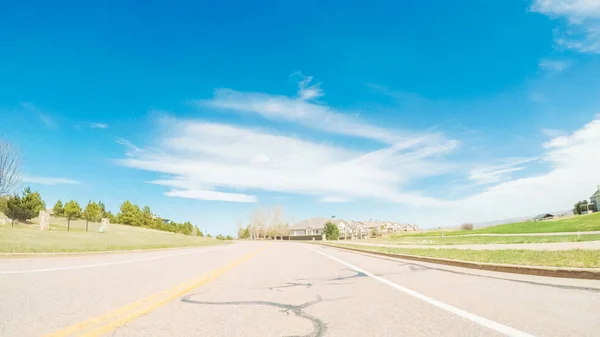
x,y
534,234
493,246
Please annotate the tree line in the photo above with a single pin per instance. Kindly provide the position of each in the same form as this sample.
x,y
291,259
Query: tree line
x,y
265,223
27,205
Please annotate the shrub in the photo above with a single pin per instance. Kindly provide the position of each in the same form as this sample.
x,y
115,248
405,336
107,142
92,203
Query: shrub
x,y
467,226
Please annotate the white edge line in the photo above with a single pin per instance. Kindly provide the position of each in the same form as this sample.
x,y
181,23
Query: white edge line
x,y
31,271
506,330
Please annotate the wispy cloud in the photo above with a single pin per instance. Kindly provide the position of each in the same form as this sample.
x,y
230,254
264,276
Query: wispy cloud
x,y
211,195
304,110
306,90
93,125
49,180
553,133
570,175
494,174
554,65
334,199
41,114
203,160
582,31
132,149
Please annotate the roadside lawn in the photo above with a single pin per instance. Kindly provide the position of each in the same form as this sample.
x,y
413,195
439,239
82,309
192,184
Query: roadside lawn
x,y
577,258
469,240
28,238
580,223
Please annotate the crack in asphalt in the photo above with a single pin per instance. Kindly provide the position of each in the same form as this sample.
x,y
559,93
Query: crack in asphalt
x,y
319,327
291,284
356,274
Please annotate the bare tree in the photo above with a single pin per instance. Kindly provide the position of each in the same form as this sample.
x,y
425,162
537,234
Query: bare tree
x,y
277,220
9,167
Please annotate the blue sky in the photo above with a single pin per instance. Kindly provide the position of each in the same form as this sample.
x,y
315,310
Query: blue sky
x,y
431,112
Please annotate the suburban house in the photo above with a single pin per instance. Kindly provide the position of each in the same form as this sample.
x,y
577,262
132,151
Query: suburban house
x,y
346,231
358,230
314,228
544,216
595,199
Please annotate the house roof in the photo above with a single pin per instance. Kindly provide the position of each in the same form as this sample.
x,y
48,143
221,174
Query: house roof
x,y
541,216
314,223
597,194
371,224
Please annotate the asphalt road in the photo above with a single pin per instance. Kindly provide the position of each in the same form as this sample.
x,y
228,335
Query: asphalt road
x,y
282,289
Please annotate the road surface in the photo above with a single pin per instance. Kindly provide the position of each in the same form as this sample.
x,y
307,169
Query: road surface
x,y
282,289
489,246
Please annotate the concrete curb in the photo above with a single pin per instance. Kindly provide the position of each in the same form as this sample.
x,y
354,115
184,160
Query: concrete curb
x,y
576,273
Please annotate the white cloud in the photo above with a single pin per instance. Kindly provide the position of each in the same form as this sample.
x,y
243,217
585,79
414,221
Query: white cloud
x,y
334,199
307,112
306,91
482,175
583,22
132,148
553,133
199,158
554,65
98,125
572,175
211,195
49,181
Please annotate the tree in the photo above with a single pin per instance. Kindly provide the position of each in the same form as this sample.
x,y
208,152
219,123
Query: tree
x,y
13,209
375,232
244,233
102,209
198,232
577,209
72,210
58,208
147,217
130,214
9,167
3,200
229,238
331,231
208,235
24,207
91,212
220,237
110,216
32,203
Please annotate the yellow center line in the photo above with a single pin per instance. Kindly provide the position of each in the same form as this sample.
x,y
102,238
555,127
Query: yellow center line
x,y
113,319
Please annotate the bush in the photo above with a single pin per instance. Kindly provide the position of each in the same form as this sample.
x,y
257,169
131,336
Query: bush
x,y
331,231
467,226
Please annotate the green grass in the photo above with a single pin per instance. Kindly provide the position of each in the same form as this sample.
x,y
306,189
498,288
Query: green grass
x,y
577,258
475,240
28,238
581,223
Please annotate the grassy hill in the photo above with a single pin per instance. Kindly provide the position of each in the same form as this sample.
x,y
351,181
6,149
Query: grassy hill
x,y
29,238
581,224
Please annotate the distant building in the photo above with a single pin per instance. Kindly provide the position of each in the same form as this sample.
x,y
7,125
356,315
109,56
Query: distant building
x,y
544,216
595,199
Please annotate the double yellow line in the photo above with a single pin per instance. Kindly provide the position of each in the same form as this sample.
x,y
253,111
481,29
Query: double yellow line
x,y
102,324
